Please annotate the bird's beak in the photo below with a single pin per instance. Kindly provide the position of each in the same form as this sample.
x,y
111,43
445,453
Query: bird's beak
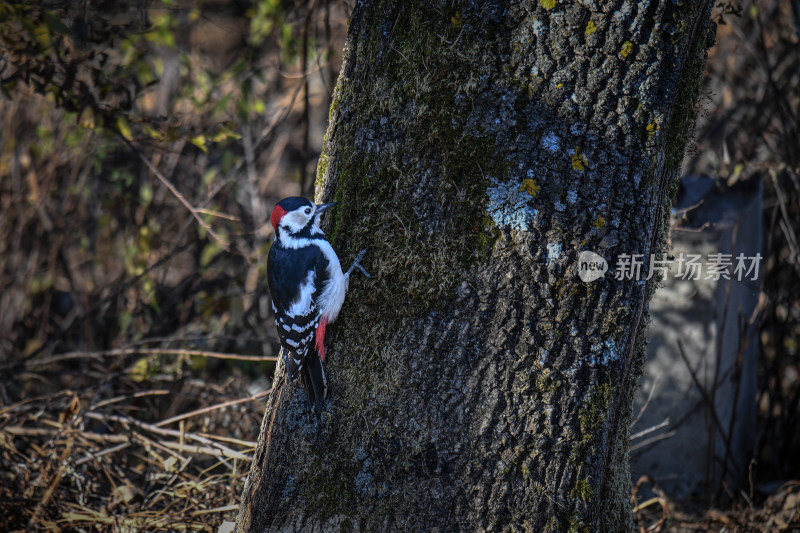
x,y
321,208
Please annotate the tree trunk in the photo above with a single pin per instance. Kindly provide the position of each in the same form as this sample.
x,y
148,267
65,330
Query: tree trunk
x,y
477,383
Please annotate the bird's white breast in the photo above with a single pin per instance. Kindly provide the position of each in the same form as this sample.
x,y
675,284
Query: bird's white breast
x,y
302,306
334,290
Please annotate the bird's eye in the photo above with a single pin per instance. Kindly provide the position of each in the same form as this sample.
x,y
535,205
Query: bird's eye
x,y
308,210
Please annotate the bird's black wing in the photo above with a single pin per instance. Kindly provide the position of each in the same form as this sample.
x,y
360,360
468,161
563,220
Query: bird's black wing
x,y
296,278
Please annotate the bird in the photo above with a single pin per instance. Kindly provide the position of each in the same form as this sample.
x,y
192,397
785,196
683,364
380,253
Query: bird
x,y
307,288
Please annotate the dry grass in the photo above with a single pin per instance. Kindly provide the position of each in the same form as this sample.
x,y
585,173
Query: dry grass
x,y
71,460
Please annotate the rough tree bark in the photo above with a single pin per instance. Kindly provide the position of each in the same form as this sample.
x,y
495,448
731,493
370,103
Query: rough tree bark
x,y
477,148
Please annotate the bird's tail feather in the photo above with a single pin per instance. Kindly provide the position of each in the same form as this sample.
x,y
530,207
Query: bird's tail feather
x,y
315,383
307,387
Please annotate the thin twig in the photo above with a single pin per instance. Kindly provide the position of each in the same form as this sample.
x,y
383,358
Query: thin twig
x,y
212,408
660,498
649,398
651,429
301,75
269,131
217,214
226,508
220,438
96,455
177,194
304,149
145,351
221,449
14,406
703,393
737,370
44,432
140,394
653,440
52,484
207,450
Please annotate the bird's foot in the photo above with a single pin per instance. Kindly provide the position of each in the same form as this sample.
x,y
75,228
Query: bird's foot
x,y
357,265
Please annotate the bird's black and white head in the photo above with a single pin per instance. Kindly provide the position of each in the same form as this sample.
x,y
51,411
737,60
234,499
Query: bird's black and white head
x,y
297,218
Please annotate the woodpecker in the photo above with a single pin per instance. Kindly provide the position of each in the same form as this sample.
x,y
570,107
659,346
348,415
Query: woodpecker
x,y
308,287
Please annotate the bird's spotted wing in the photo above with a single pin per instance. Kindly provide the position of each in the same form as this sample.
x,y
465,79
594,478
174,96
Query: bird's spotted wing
x,y
296,312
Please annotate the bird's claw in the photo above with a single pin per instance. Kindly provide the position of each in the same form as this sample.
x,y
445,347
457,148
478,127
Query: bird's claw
x,y
357,264
361,269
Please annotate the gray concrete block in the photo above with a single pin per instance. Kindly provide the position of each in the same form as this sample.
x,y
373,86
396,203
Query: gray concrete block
x,y
707,395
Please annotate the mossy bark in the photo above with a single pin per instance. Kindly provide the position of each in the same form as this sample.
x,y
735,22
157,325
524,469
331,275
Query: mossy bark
x,y
476,382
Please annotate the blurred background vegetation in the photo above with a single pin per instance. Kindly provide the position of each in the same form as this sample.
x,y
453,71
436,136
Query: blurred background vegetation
x,y
144,144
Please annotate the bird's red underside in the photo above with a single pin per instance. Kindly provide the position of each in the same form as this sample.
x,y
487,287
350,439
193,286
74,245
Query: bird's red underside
x,y
319,337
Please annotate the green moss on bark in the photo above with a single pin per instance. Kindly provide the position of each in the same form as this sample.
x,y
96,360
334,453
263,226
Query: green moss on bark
x,y
427,232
